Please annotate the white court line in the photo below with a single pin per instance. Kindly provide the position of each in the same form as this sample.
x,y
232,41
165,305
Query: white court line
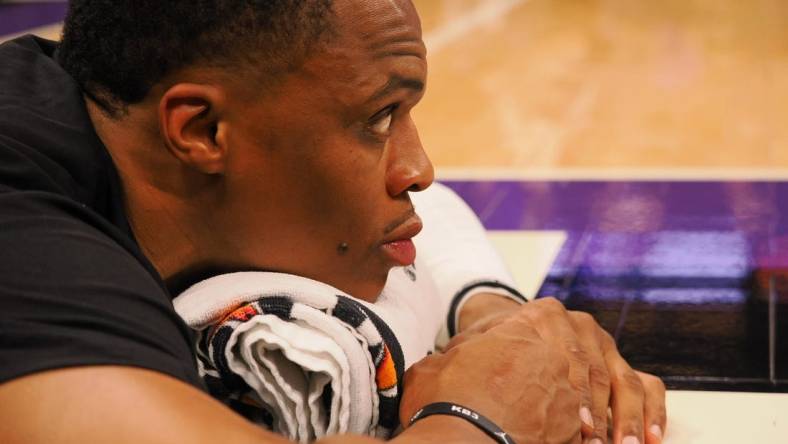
x,y
686,174
486,13
726,417
528,254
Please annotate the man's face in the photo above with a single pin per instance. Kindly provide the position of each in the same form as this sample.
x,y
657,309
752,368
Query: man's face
x,y
321,167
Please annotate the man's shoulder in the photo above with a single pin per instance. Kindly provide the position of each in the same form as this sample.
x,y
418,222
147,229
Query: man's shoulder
x,y
47,141
31,78
41,231
25,49
72,295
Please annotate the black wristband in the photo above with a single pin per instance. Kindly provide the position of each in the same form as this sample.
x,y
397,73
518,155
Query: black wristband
x,y
449,408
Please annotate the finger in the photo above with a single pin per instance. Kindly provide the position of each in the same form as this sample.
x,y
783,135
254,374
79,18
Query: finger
x,y
553,322
599,379
654,413
627,399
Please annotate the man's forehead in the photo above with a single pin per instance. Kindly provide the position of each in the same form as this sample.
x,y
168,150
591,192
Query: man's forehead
x,y
384,27
373,42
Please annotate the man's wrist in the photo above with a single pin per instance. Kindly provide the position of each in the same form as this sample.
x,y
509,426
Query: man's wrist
x,y
460,411
483,305
442,429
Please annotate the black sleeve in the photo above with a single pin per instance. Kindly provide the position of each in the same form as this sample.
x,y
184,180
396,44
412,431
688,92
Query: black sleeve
x,y
71,295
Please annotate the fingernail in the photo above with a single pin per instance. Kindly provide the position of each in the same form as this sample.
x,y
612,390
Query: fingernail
x,y
630,440
585,416
595,441
656,430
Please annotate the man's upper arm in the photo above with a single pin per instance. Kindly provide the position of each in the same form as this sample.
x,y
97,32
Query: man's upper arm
x,y
117,405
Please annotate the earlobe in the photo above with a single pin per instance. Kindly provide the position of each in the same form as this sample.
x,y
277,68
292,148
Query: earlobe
x,y
190,120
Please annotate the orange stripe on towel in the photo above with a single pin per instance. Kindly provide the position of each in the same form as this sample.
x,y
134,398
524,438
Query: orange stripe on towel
x,y
386,376
242,314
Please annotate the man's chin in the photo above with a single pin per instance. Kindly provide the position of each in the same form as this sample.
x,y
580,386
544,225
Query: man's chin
x,y
368,290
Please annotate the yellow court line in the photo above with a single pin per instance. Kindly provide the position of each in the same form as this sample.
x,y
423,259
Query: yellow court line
x,y
684,174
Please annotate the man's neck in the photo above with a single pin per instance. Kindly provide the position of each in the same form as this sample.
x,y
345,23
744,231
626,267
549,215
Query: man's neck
x,y
155,214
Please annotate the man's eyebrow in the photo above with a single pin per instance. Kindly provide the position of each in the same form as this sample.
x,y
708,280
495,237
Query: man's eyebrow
x,y
397,82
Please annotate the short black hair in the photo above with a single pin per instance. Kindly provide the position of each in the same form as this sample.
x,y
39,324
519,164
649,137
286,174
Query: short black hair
x,y
118,49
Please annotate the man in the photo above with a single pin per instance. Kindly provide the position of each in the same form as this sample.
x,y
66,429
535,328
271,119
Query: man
x,y
168,141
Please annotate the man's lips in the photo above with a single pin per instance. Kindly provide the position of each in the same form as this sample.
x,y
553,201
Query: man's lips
x,y
398,245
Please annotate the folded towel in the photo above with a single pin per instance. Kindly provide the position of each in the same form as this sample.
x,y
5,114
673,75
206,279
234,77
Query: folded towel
x,y
305,360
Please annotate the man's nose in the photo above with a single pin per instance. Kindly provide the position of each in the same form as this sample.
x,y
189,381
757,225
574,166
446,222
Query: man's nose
x,y
409,168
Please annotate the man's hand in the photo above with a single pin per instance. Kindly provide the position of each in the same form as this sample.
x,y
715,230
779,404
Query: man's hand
x,y
597,371
509,374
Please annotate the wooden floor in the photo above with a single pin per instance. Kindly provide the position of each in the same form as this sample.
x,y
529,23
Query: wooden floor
x,y
606,83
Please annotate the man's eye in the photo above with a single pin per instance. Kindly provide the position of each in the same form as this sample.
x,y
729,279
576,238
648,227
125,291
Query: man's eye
x,y
381,124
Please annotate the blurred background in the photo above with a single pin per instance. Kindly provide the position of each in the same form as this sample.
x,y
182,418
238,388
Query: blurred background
x,y
601,84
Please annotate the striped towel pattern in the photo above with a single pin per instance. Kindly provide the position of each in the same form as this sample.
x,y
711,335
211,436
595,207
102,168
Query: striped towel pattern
x,y
306,364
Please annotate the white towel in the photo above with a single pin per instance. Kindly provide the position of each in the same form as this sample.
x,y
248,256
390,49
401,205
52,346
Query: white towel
x,y
304,359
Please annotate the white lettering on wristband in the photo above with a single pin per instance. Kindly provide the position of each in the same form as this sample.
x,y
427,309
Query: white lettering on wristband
x,y
464,411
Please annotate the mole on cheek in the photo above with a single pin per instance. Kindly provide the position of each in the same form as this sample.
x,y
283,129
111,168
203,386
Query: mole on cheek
x,y
342,248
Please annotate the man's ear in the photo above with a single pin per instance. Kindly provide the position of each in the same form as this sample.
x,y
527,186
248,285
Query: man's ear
x,y
191,123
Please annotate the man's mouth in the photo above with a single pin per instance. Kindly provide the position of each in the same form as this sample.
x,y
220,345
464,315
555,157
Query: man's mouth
x,y
398,245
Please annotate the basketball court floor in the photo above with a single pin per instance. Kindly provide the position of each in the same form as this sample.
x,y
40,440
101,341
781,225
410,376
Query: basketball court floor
x,y
630,158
